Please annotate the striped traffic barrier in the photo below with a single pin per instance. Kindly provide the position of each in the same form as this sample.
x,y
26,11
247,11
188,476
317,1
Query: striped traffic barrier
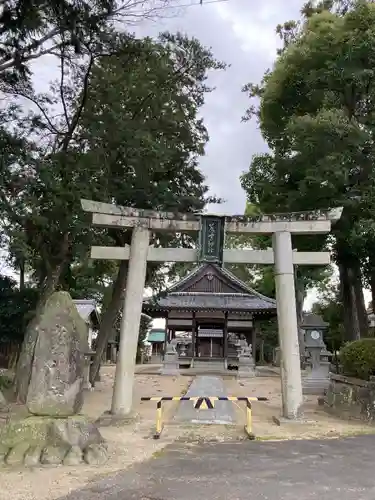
x,y
203,403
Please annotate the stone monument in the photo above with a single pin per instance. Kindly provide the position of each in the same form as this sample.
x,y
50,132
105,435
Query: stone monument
x,y
53,433
171,365
317,381
246,366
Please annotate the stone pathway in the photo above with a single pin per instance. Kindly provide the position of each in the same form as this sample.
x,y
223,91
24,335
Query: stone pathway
x,y
222,413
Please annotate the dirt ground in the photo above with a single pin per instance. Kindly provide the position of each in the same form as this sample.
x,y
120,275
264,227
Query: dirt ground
x,y
314,423
127,444
132,443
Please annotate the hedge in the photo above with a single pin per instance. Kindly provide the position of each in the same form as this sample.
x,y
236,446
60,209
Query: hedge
x,y
358,358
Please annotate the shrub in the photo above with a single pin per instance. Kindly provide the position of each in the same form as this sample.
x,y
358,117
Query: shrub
x,y
358,358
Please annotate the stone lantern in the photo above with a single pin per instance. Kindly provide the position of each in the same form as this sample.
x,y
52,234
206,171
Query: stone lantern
x,y
316,353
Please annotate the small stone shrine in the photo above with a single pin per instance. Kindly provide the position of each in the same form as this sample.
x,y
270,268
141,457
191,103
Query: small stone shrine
x,y
54,433
317,355
171,363
246,365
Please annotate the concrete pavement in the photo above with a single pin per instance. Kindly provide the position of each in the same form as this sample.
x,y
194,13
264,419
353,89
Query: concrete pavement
x,y
289,470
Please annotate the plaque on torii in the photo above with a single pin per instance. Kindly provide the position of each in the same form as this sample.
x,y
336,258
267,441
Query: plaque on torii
x,y
211,229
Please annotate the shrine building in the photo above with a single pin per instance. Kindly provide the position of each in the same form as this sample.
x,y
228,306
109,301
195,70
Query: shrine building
x,y
208,313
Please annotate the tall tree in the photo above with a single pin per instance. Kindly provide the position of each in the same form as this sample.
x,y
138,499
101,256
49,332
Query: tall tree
x,y
129,112
32,29
150,134
316,115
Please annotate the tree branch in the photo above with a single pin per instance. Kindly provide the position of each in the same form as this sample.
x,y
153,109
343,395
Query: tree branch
x,y
62,76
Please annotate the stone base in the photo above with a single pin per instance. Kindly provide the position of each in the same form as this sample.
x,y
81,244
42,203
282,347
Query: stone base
x,y
34,441
246,373
108,419
170,369
314,386
246,370
284,421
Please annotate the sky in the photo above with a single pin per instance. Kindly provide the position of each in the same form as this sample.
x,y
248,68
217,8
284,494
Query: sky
x,y
242,34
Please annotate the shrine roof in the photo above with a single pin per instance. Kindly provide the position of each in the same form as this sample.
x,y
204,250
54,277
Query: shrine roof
x,y
210,287
311,320
87,309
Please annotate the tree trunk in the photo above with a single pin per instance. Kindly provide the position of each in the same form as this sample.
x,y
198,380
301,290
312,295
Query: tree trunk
x,y
372,285
109,319
26,358
351,323
355,316
22,274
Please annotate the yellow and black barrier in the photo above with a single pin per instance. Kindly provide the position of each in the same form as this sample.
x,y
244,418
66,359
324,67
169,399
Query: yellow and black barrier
x,y
204,403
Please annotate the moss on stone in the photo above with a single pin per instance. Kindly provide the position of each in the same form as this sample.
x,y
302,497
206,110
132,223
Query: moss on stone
x,y
33,430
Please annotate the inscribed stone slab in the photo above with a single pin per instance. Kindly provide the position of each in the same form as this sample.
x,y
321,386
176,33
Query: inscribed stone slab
x,y
56,385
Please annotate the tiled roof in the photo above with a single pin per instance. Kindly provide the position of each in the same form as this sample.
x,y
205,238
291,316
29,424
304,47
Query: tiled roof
x,y
86,307
208,301
224,272
313,320
200,300
245,300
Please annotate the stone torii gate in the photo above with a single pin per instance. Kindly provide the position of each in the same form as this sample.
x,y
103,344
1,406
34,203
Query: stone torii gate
x,y
211,229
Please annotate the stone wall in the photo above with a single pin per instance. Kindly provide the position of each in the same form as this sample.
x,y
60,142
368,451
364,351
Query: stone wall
x,y
351,398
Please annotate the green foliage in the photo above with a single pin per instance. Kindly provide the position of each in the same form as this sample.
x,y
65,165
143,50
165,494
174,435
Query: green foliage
x,y
32,29
358,358
128,131
317,115
16,309
147,95
269,338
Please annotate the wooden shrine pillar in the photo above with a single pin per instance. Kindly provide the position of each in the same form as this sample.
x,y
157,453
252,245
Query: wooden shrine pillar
x,y
254,340
225,335
193,336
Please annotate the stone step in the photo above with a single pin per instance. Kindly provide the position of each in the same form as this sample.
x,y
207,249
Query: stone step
x,y
208,365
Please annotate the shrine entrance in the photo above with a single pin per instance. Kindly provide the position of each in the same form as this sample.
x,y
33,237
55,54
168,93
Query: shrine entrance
x,y
210,343
211,230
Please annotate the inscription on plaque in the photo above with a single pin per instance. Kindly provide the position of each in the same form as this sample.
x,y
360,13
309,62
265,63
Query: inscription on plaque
x,y
211,239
